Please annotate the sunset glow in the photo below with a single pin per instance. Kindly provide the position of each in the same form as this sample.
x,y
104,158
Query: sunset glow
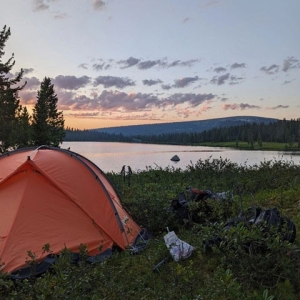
x,y
116,63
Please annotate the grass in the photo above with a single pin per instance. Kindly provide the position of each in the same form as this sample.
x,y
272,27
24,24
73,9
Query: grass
x,y
270,146
225,272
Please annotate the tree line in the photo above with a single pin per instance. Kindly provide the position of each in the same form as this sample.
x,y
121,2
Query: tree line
x,y
281,131
94,136
17,127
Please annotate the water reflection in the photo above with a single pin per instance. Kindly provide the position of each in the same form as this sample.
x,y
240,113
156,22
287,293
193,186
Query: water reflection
x,y
113,156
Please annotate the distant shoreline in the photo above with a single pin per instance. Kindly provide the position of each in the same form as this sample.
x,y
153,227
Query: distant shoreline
x,y
265,146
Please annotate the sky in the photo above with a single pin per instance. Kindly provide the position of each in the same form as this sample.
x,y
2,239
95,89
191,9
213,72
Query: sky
x,y
127,62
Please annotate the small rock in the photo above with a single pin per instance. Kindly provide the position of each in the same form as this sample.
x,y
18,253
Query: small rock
x,y
175,158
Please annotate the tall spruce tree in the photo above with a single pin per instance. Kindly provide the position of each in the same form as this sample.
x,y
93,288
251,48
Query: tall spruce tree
x,y
10,107
47,121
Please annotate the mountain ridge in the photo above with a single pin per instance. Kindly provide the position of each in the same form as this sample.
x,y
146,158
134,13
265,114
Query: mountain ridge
x,y
183,127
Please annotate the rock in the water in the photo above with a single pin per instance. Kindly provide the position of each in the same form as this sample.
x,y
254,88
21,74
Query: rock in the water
x,y
175,158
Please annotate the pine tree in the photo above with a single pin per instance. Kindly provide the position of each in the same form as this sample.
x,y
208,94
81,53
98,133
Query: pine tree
x,y
47,121
10,107
24,129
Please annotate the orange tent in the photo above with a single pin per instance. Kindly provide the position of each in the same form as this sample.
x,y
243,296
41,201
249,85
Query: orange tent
x,y
57,197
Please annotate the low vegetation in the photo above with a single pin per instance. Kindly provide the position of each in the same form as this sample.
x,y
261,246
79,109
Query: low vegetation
x,y
265,146
270,270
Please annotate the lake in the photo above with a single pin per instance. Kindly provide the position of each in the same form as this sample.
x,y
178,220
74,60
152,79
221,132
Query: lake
x,y
111,157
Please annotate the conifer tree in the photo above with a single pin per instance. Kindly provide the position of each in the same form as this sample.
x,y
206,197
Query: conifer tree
x,y
259,140
24,128
47,121
10,107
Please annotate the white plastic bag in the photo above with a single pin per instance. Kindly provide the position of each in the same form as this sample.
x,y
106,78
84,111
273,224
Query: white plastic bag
x,y
178,249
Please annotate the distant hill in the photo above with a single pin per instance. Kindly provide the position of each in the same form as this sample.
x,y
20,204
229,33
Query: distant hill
x,y
180,127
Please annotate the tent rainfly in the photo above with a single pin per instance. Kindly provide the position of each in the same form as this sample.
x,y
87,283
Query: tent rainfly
x,y
58,197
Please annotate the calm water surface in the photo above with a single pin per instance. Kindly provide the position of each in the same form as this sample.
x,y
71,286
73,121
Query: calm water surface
x,y
111,157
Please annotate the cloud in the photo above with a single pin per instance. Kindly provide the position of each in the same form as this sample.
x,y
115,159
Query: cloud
x,y
83,66
140,64
220,70
151,82
129,62
290,63
39,5
270,70
119,116
288,81
237,65
71,82
206,107
242,106
183,112
84,114
27,97
175,63
65,99
183,82
98,4
110,81
101,66
70,100
166,87
219,80
27,71
32,83
179,63
187,111
128,102
144,116
222,79
144,65
115,100
193,99
235,80
277,107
